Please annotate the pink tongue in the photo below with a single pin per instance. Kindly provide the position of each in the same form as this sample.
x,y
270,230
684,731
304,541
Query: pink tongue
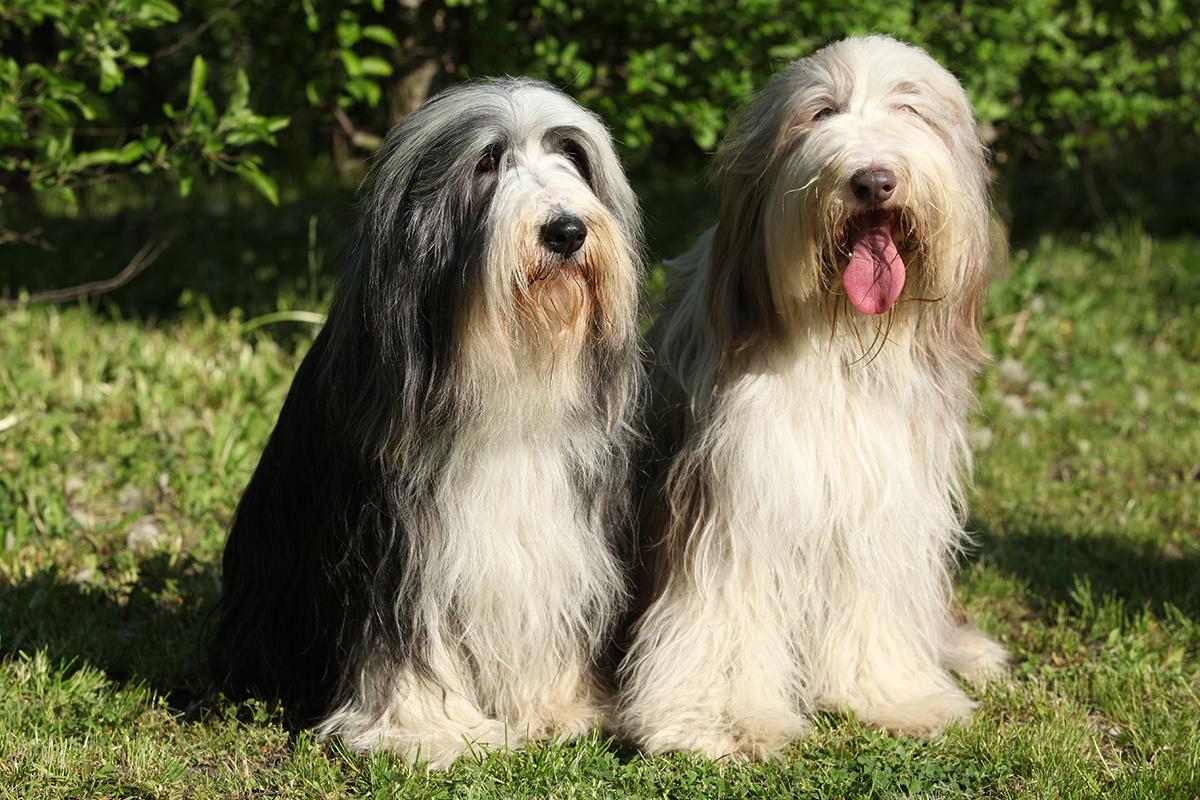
x,y
875,275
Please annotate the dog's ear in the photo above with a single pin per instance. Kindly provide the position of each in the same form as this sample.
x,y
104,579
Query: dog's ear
x,y
390,368
982,241
987,253
612,188
740,302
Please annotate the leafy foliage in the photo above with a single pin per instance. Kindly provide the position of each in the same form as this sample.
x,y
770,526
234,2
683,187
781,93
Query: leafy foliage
x,y
61,125
93,91
1054,79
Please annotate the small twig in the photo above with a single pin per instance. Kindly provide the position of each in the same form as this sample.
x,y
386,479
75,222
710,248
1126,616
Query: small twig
x,y
31,237
34,517
1014,337
367,141
196,32
1001,321
149,253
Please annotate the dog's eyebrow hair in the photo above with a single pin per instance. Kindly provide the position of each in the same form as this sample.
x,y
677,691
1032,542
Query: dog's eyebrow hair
x,y
579,138
906,87
564,131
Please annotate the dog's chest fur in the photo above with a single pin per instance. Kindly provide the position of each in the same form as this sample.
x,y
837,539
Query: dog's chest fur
x,y
516,553
821,443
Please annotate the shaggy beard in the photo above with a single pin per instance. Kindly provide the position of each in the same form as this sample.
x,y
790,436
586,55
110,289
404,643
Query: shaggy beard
x,y
546,312
807,251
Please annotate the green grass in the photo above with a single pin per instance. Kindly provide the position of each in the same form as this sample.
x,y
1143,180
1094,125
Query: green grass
x,y
124,445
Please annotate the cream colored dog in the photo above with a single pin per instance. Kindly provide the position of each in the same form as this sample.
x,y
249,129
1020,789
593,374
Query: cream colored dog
x,y
815,366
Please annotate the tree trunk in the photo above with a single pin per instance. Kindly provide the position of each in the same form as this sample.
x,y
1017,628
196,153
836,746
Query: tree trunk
x,y
423,60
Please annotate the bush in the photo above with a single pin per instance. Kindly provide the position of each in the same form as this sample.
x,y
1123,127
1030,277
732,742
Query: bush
x,y
65,113
106,90
1054,81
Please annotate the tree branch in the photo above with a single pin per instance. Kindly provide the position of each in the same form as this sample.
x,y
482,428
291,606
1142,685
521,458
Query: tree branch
x,y
149,253
197,32
362,139
31,237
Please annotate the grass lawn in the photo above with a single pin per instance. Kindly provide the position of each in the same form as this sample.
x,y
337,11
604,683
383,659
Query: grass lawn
x,y
124,446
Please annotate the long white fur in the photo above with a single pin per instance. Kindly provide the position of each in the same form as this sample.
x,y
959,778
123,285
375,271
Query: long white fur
x,y
835,456
511,524
531,576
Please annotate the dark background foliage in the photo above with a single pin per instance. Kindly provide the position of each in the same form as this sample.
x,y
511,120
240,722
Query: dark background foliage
x,y
123,121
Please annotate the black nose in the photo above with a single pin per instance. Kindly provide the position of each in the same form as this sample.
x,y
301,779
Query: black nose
x,y
564,234
873,185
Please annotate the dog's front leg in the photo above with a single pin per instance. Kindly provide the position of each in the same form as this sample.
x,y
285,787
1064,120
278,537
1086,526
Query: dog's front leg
x,y
712,674
882,655
561,701
425,715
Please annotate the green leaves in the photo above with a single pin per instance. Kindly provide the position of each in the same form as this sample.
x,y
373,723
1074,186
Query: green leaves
x,y
196,87
46,97
81,81
1055,80
111,75
129,154
364,53
213,140
380,35
250,172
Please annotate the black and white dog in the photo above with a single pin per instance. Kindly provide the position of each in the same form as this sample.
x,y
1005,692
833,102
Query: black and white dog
x,y
429,553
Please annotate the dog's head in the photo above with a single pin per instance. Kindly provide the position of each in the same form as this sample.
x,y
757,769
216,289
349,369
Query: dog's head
x,y
503,208
856,180
562,227
499,243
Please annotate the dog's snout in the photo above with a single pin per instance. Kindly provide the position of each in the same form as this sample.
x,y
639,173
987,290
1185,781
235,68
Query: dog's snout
x,y
564,234
873,185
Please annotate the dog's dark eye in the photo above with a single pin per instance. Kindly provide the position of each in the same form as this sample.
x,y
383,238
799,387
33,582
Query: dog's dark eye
x,y
574,153
907,109
489,161
827,111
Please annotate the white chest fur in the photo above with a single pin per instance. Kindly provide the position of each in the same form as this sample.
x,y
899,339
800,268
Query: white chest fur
x,y
815,446
515,553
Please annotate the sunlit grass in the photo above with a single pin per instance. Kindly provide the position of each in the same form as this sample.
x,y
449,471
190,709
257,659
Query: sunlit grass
x,y
124,446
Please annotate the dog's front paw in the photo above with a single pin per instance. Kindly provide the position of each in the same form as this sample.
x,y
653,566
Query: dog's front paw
x,y
765,739
490,737
924,715
748,739
975,655
562,722
714,740
439,749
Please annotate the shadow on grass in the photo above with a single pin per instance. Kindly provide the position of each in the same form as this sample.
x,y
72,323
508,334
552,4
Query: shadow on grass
x,y
150,630
1051,563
